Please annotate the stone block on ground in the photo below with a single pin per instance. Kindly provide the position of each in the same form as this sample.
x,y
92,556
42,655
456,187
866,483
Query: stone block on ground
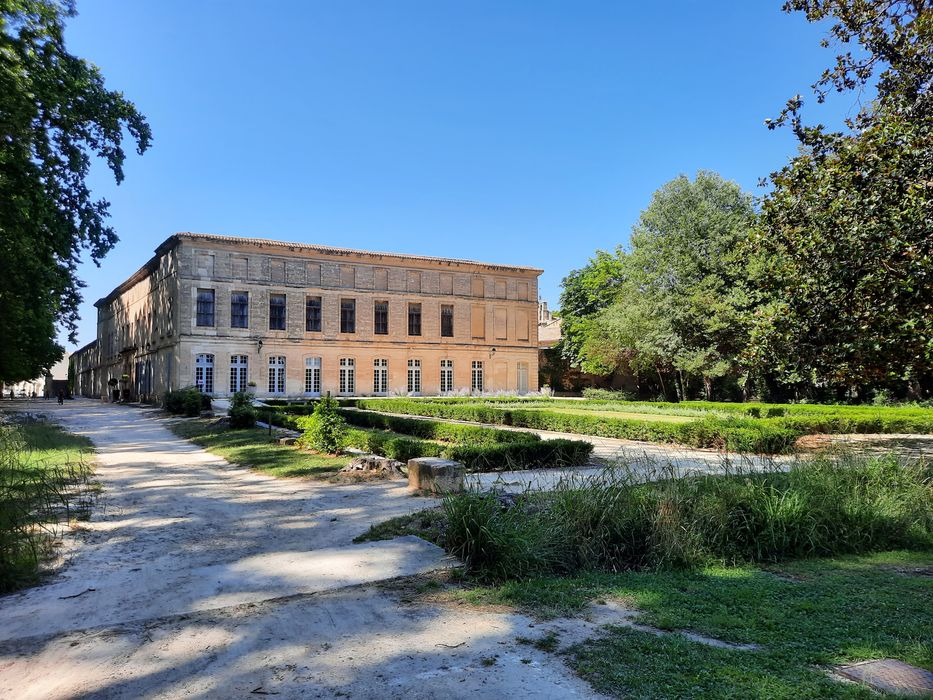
x,y
434,475
287,440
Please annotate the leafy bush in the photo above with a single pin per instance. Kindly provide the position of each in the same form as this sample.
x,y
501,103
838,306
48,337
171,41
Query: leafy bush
x,y
521,455
241,413
723,432
475,457
189,402
436,430
324,430
822,507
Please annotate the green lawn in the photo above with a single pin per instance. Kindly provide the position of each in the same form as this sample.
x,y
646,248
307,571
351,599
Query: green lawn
x,y
254,448
45,482
804,615
49,446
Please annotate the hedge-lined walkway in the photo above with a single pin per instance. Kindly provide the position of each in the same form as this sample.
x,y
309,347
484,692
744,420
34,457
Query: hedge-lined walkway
x,y
644,457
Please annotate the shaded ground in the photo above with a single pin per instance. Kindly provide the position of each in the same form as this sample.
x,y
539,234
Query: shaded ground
x,y
197,577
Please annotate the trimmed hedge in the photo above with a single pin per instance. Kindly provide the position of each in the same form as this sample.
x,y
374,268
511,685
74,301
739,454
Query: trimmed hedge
x,y
436,430
733,433
476,457
521,455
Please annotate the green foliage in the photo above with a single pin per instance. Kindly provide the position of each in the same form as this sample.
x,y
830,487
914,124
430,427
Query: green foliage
x,y
241,413
325,430
821,507
846,239
188,402
256,449
729,432
676,309
57,115
435,430
482,456
45,480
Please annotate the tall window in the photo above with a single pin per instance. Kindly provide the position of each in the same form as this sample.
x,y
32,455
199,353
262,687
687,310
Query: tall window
x,y
204,373
239,372
380,376
277,374
447,320
313,314
347,375
414,376
276,312
239,310
476,380
205,315
348,315
381,318
313,375
414,319
522,377
447,375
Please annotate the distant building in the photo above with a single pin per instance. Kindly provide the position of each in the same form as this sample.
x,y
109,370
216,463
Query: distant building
x,y
548,327
299,320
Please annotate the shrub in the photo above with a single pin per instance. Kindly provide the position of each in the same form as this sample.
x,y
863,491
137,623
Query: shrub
x,y
324,430
732,432
822,507
436,430
241,413
521,455
189,402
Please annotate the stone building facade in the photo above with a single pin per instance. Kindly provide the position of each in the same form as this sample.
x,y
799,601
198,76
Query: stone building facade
x,y
298,320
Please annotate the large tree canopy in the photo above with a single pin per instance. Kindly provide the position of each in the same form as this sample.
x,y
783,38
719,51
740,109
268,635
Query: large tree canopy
x,y
846,238
676,306
55,116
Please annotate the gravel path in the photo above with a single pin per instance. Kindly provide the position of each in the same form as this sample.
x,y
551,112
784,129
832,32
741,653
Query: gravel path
x,y
198,578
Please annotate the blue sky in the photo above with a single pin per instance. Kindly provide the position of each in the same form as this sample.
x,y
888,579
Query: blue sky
x,y
516,132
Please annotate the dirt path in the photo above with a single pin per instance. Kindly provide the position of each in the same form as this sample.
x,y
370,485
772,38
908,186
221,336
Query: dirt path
x,y
199,578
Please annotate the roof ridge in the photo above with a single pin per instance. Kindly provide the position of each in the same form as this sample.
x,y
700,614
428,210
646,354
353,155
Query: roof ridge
x,y
325,248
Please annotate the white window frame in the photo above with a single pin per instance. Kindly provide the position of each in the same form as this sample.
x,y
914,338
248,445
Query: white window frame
x,y
347,375
380,376
313,376
414,376
239,373
476,377
276,374
447,376
204,372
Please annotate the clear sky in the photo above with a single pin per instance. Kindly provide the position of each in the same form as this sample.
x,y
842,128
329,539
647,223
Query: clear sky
x,y
527,132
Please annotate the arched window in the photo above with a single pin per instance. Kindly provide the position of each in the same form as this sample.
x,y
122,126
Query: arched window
x,y
347,375
447,376
204,373
239,372
476,380
414,376
380,376
313,375
277,374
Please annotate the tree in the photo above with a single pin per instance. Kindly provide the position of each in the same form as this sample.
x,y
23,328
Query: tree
x,y
681,307
845,249
55,116
585,292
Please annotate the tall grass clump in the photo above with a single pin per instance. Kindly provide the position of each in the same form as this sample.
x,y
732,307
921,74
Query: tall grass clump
x,y
617,521
39,492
